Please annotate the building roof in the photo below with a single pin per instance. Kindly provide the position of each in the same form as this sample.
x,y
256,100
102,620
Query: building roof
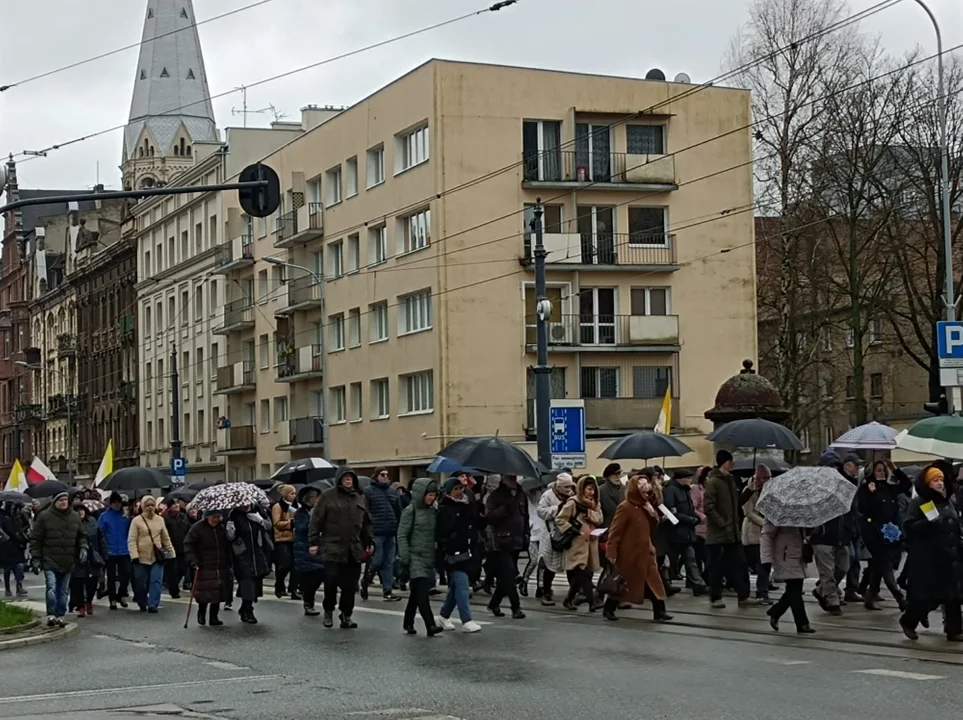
x,y
170,82
33,214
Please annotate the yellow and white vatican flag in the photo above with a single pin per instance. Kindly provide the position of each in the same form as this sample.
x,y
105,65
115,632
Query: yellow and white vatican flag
x,y
17,480
106,465
664,424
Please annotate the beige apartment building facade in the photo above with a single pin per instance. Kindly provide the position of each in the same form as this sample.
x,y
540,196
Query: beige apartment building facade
x,y
414,205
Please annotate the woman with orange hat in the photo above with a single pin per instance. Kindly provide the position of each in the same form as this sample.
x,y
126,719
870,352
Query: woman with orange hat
x,y
932,529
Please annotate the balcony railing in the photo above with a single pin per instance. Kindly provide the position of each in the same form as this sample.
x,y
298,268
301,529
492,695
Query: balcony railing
x,y
575,167
235,253
57,404
238,437
306,431
238,315
66,345
127,324
238,377
300,226
29,413
612,413
606,249
286,225
299,363
608,331
303,292
128,391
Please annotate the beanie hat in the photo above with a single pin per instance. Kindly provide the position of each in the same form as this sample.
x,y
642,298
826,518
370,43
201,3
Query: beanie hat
x,y
62,494
212,513
115,498
829,458
722,457
565,483
931,474
853,458
612,469
450,484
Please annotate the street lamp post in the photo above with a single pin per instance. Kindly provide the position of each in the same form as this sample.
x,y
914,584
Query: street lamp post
x,y
319,280
70,428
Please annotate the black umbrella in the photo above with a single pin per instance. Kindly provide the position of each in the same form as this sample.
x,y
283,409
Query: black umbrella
x,y
493,455
363,482
186,494
544,480
136,478
12,496
263,484
643,445
305,470
198,486
744,467
48,488
756,433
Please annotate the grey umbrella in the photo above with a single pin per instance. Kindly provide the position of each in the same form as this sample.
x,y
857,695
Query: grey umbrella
x,y
806,497
643,445
756,433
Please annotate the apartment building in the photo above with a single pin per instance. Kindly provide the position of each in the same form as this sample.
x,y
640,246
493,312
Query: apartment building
x,y
414,204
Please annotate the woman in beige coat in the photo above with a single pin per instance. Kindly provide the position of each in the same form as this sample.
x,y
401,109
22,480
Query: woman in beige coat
x,y
148,534
582,513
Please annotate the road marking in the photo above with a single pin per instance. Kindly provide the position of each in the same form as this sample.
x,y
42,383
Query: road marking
x,y
386,712
225,665
777,661
900,674
136,688
401,613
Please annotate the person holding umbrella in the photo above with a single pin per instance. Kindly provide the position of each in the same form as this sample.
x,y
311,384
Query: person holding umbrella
x,y
308,568
456,534
208,550
416,550
677,496
725,554
785,549
506,513
115,525
878,502
178,525
250,534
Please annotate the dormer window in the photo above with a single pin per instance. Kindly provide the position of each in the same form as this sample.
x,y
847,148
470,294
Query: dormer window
x,y
143,74
184,13
150,13
190,74
164,73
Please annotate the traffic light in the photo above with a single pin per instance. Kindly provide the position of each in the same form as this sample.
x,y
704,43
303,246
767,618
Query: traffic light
x,y
259,202
940,407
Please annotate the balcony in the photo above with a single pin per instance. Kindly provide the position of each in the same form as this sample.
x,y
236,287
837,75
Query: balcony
x,y
234,254
237,440
237,315
295,364
572,169
29,413
128,329
128,391
300,226
305,433
652,252
237,378
66,345
607,414
57,405
615,333
303,294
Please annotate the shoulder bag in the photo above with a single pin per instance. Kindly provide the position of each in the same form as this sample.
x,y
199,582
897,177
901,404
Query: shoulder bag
x,y
160,554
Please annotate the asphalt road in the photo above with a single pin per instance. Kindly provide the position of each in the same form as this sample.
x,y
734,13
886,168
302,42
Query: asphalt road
x,y
290,667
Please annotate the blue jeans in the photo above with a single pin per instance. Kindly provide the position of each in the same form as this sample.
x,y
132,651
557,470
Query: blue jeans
x,y
383,561
148,580
458,594
16,570
58,590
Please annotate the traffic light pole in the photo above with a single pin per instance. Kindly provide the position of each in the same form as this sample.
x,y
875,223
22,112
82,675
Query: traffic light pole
x,y
175,407
543,370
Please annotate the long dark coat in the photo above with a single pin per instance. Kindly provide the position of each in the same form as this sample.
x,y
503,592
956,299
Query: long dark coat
x,y
14,550
341,523
208,549
933,565
456,531
251,548
631,547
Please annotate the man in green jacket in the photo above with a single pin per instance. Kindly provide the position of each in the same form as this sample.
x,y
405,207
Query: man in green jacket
x,y
58,541
416,550
725,556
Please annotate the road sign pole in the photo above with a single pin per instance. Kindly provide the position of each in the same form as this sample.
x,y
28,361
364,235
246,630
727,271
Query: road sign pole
x,y
543,389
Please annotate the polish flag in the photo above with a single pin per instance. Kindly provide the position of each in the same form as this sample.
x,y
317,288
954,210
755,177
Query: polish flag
x,y
38,472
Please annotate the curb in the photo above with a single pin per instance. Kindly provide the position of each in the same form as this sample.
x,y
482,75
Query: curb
x,y
58,634
19,628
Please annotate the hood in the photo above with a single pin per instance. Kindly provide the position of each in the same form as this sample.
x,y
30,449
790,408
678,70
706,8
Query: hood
x,y
633,493
584,482
420,488
303,492
342,471
830,458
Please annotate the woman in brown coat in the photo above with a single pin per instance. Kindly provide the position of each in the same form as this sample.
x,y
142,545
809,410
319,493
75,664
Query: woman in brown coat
x,y
630,549
581,512
209,551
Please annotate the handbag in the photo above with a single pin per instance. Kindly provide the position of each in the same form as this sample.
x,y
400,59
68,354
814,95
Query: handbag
x,y
561,540
611,582
458,558
160,554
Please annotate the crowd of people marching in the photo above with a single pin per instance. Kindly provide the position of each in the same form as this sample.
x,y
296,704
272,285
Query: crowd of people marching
x,y
622,539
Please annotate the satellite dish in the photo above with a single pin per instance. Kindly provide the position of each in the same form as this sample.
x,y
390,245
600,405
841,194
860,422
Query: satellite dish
x,y
655,74
682,78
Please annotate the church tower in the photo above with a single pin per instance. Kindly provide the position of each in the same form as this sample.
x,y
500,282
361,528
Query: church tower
x,y
171,107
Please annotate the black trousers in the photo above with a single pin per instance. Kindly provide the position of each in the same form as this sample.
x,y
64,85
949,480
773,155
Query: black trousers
x,y
727,562
658,606
118,576
548,577
174,572
580,581
283,562
215,608
791,599
343,577
418,600
505,569
917,610
82,591
309,582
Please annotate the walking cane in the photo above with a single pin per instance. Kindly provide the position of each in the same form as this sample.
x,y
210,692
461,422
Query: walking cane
x,y
191,599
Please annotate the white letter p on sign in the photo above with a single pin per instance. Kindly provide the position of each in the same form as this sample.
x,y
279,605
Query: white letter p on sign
x,y
954,338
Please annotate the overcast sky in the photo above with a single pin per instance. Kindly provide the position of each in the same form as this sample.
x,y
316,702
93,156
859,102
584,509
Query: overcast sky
x,y
623,37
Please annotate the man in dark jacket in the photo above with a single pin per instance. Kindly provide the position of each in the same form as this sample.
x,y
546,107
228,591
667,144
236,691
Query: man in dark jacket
x,y
611,492
830,543
682,536
725,554
384,504
13,546
507,518
58,540
341,532
115,526
178,524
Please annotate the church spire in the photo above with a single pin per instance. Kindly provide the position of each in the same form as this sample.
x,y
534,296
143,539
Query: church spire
x,y
171,108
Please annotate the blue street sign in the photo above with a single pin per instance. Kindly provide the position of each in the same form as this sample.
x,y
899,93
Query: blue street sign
x,y
178,467
567,430
949,344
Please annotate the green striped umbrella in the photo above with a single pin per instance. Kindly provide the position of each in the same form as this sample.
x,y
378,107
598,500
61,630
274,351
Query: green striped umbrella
x,y
941,436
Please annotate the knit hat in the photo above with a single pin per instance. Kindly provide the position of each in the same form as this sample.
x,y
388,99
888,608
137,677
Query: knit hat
x,y
115,498
722,457
450,484
565,483
932,474
853,458
62,494
829,458
212,513
612,469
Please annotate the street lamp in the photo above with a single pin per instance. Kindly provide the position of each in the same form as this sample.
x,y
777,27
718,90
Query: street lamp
x,y
70,429
324,352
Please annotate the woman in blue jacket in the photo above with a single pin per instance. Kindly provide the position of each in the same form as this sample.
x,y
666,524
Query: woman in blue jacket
x,y
308,568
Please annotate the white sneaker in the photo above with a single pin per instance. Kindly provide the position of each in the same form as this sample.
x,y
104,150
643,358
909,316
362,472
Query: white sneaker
x,y
471,627
446,624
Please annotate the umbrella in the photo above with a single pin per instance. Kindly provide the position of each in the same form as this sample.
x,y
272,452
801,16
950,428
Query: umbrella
x,y
444,465
747,466
806,497
265,484
187,494
12,496
93,506
48,488
363,482
198,486
228,496
643,445
756,433
941,436
136,478
303,471
493,455
871,436
544,480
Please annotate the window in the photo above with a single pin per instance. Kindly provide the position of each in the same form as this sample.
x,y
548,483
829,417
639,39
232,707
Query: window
x,y
336,332
332,180
380,405
876,385
378,323
150,435
417,393
264,351
376,166
148,325
875,331
650,301
850,387
417,231
378,244
161,433
171,311
262,286
414,313
552,216
337,405
826,340
201,427
336,259
351,177
412,148
199,368
198,302
262,227
354,402
186,436
802,340
597,316
147,266
280,409
212,232
541,150
171,260
148,377
850,337
277,278
354,327
214,359
314,190
830,435
265,415
600,382
826,387
647,226
354,253
645,139
804,437
185,247
212,296
650,382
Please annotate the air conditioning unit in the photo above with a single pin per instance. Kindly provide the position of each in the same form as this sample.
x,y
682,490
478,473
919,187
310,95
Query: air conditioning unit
x,y
557,334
